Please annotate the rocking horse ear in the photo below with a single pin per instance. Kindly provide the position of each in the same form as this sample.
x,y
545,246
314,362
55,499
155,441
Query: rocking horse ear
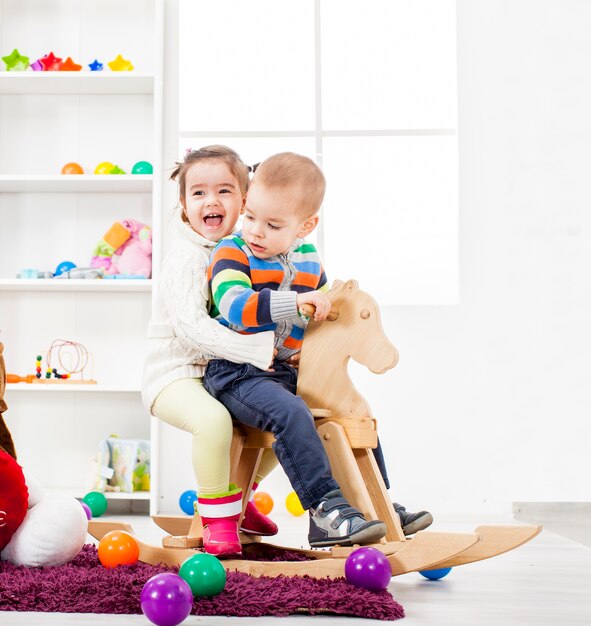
x,y
336,285
352,284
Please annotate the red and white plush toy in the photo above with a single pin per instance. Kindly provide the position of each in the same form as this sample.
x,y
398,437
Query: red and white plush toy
x,y
35,529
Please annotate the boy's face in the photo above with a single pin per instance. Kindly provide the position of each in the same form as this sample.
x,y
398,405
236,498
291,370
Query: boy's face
x,y
272,221
213,200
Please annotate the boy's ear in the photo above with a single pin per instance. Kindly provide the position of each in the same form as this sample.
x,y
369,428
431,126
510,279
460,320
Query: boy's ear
x,y
308,225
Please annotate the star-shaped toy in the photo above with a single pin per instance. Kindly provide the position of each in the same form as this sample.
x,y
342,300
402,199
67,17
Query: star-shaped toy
x,y
95,66
37,67
120,64
50,63
69,66
16,62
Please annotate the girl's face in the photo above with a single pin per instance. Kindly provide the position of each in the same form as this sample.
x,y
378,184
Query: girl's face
x,y
213,200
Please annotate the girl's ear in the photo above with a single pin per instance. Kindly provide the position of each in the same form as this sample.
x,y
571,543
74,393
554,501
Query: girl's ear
x,y
243,207
308,225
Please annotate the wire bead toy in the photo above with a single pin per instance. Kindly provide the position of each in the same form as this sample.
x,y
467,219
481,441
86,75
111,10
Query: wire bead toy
x,y
71,356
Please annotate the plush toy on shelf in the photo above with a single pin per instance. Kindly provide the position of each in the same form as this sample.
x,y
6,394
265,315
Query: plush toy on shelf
x,y
125,249
36,529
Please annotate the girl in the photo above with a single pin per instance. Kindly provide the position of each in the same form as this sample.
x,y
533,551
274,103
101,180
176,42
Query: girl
x,y
213,182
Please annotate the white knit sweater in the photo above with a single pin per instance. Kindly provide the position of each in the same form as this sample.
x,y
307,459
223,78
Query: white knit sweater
x,y
182,336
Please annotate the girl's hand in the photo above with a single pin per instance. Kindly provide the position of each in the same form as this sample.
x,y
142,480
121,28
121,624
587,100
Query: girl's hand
x,y
317,299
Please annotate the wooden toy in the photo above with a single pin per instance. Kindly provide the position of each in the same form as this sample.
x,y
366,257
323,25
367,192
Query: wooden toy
x,y
347,428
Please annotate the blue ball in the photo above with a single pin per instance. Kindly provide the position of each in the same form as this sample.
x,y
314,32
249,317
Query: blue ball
x,y
435,574
64,266
187,500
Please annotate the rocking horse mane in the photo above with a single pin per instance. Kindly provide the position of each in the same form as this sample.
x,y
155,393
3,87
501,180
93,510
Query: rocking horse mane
x,y
354,332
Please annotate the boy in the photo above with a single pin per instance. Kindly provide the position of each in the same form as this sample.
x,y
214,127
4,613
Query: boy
x,y
259,279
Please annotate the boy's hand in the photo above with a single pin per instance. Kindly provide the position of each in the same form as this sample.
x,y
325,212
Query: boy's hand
x,y
317,299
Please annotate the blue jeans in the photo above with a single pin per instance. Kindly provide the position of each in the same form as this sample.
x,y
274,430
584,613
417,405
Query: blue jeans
x,y
267,401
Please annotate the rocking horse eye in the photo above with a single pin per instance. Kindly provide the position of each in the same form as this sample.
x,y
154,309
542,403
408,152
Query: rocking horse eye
x,y
364,314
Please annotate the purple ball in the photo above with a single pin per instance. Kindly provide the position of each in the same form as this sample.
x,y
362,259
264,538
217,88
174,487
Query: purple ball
x,y
87,510
368,568
166,599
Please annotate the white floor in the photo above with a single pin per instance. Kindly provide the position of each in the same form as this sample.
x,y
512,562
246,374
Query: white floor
x,y
547,582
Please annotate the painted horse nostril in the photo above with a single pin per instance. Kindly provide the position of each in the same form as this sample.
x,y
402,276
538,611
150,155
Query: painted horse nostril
x,y
364,314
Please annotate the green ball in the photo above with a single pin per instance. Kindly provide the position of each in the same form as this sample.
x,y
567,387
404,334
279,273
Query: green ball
x,y
97,503
205,575
142,167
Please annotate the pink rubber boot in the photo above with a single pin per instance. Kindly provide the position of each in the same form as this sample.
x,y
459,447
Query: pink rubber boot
x,y
220,513
255,523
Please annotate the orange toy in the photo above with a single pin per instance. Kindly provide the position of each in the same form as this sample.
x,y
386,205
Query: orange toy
x,y
15,378
72,168
118,548
263,502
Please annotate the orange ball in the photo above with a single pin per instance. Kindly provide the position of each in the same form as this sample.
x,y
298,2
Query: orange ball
x,y
72,168
263,502
118,548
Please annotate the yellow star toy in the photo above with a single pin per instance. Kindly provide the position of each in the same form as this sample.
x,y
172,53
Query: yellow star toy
x,y
120,64
16,62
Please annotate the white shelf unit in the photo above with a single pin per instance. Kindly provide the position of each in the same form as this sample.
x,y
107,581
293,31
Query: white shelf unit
x,y
48,119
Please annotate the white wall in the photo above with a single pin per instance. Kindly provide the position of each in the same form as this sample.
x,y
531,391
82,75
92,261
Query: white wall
x,y
490,402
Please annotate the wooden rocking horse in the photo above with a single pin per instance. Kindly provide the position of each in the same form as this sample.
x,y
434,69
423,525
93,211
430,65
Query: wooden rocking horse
x,y
347,428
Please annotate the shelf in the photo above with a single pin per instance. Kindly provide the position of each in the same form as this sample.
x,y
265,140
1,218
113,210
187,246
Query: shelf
x,y
76,284
79,83
77,183
80,492
65,388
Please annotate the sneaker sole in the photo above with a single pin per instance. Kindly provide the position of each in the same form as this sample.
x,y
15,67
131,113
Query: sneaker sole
x,y
419,524
371,533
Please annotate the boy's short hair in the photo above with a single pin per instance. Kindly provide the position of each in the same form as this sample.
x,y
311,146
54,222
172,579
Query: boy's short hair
x,y
288,169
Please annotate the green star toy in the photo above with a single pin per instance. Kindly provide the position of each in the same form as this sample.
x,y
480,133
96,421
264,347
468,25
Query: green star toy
x,y
15,62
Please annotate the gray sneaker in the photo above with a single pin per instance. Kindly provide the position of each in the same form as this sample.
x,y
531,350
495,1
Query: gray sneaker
x,y
412,522
336,522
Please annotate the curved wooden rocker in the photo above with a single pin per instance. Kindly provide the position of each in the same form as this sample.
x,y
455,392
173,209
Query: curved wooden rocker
x,y
348,431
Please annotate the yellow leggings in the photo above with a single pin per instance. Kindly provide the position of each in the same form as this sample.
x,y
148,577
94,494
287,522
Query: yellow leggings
x,y
186,404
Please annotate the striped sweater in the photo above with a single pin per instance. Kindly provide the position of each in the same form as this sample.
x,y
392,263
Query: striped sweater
x,y
252,295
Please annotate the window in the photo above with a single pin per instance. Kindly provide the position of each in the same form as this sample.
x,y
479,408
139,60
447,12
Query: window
x,y
369,91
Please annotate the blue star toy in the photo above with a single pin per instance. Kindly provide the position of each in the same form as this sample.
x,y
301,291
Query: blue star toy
x,y
95,66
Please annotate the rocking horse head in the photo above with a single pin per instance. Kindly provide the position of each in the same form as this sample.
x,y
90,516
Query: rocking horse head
x,y
353,330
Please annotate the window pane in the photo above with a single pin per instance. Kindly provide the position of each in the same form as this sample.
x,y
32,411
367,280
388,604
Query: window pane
x,y
391,217
388,64
246,65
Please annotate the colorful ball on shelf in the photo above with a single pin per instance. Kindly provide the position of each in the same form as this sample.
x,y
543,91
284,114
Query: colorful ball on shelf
x,y
64,266
142,167
205,575
187,501
166,599
263,502
118,548
435,574
293,504
104,168
97,502
368,568
72,168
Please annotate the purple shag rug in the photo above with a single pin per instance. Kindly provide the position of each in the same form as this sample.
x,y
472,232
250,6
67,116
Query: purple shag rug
x,y
85,586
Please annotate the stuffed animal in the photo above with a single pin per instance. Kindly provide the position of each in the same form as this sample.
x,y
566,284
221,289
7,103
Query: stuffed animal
x,y
35,529
126,248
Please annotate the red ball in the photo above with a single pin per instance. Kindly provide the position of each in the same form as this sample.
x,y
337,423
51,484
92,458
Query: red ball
x,y
118,548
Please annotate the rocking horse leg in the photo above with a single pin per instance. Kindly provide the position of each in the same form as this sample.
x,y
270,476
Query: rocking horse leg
x,y
359,478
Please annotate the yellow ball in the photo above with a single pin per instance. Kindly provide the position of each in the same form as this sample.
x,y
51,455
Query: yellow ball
x,y
104,168
293,504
